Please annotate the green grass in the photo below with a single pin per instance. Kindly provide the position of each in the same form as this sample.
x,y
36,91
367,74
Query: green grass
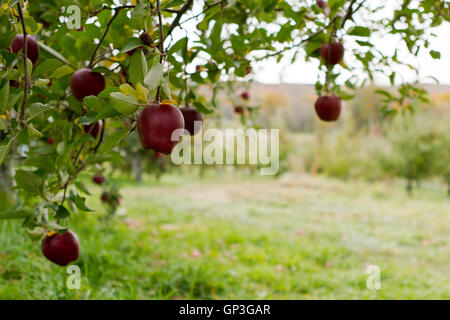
x,y
237,237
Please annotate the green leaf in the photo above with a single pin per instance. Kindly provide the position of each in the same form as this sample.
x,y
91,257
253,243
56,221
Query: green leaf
x,y
6,38
62,212
3,124
154,77
33,132
61,72
94,103
435,54
122,103
37,233
201,107
166,88
30,182
138,67
360,31
4,97
112,141
80,202
131,44
6,147
46,66
53,52
37,110
16,214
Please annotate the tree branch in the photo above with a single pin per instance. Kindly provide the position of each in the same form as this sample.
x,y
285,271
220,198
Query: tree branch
x,y
180,13
116,13
24,52
161,43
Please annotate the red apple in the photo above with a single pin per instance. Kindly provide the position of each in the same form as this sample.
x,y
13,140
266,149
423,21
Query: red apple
x,y
332,54
105,197
98,179
61,248
245,95
328,108
85,83
32,46
156,123
322,4
190,116
239,109
50,140
94,128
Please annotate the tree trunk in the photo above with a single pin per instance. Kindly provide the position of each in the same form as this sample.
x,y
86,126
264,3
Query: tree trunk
x,y
409,187
136,163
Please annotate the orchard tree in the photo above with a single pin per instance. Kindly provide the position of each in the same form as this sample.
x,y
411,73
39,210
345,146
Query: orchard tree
x,y
80,76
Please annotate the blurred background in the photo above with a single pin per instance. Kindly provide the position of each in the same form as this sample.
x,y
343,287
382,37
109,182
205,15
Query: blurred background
x,y
364,191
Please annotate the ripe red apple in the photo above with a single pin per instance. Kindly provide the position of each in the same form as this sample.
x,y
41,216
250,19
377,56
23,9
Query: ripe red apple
x,y
245,95
328,108
32,46
85,83
61,248
332,54
94,128
239,109
105,197
191,115
156,123
322,4
50,140
98,179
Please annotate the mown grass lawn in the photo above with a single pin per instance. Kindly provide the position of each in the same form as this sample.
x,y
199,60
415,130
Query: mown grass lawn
x,y
237,237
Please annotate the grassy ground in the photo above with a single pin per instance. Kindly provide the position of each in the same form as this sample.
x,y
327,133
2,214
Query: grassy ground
x,y
299,237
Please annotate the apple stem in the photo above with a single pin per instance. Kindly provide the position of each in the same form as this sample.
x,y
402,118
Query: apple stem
x,y
161,45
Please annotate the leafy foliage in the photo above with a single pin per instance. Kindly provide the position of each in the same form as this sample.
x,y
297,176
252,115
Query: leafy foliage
x,y
43,125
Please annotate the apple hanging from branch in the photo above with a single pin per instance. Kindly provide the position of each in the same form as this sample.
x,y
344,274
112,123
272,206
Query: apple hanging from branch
x,y
61,248
328,108
155,125
85,83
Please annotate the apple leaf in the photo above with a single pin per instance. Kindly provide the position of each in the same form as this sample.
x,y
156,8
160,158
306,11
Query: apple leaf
x,y
4,96
6,147
16,214
435,54
360,31
61,72
154,77
46,66
79,202
62,212
112,141
131,44
122,103
30,182
138,67
53,52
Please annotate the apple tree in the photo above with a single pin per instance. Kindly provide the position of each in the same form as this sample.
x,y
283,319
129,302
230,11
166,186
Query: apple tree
x,y
79,77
